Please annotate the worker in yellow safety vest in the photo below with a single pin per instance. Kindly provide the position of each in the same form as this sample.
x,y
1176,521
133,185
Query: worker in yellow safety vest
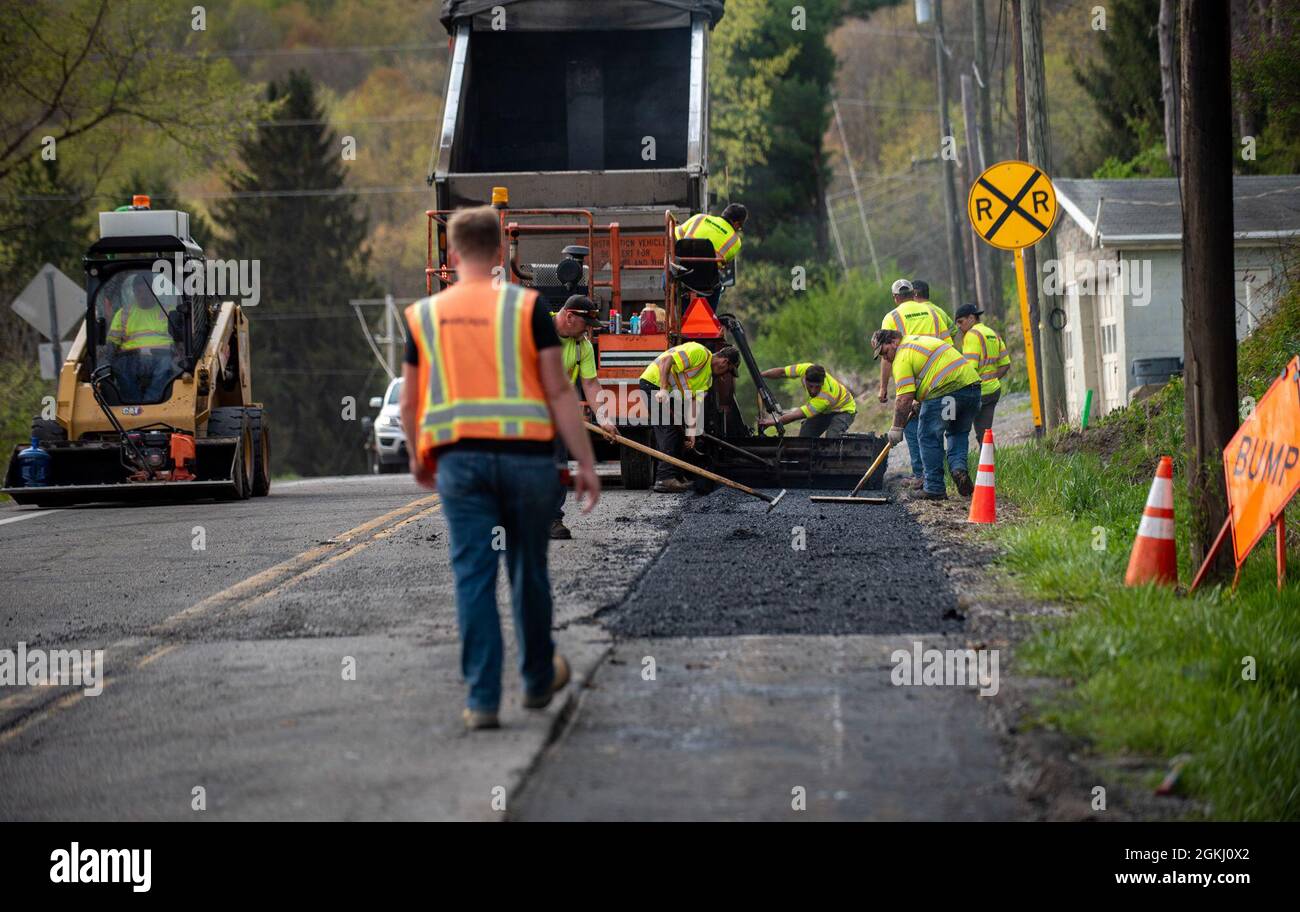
x,y
484,393
722,231
984,348
673,387
830,408
935,374
578,355
143,360
912,318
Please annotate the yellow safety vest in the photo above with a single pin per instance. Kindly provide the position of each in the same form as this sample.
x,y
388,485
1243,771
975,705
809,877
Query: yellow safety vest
x,y
688,369
985,349
833,397
579,358
726,240
918,318
138,326
928,367
479,373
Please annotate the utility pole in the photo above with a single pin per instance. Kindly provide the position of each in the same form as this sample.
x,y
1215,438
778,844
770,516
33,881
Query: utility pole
x,y
956,261
1022,153
1169,78
857,192
1209,328
1050,316
974,167
987,154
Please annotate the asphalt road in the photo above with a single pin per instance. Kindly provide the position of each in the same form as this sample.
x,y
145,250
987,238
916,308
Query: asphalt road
x,y
229,630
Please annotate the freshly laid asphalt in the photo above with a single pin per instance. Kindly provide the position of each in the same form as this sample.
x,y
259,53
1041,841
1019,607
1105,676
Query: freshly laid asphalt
x,y
734,567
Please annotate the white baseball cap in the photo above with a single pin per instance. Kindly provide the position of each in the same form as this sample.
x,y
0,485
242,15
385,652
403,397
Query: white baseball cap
x,y
902,286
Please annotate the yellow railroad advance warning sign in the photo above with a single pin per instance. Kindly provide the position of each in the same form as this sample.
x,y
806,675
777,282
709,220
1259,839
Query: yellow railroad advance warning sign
x,y
1012,205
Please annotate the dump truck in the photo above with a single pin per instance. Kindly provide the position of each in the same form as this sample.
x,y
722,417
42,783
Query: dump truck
x,y
154,395
586,126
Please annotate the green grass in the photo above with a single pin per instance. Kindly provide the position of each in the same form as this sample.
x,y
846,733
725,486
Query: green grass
x,y
1155,673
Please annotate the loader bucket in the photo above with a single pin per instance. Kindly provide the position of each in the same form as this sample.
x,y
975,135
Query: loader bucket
x,y
93,471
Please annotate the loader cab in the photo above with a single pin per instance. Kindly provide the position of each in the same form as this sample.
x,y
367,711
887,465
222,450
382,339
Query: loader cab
x,y
140,322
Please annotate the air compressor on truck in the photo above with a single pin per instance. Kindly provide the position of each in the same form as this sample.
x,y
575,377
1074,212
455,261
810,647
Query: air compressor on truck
x,y
586,126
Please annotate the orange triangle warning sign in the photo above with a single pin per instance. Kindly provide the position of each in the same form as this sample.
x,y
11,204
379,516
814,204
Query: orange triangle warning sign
x,y
700,323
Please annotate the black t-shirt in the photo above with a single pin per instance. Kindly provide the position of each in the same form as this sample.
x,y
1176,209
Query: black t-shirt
x,y
544,336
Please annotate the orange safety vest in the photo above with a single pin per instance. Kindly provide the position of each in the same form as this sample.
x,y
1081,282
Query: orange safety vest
x,y
479,374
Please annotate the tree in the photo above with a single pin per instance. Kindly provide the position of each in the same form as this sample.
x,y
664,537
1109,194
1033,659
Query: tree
x,y
771,77
43,221
1125,82
292,212
74,67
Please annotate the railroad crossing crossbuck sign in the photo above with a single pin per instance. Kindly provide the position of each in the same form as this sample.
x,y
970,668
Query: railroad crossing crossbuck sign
x,y
1012,205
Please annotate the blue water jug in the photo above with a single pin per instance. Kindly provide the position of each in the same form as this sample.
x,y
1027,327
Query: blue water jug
x,y
636,325
34,466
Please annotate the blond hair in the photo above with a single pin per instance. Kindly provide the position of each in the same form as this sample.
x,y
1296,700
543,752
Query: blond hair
x,y
475,233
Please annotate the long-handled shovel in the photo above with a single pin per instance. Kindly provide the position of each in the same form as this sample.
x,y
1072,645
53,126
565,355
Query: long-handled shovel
x,y
853,498
687,467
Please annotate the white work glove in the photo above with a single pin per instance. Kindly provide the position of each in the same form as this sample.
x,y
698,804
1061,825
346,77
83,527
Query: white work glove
x,y
895,436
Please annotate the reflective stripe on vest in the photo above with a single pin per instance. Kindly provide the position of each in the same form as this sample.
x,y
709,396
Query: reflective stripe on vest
x,y
942,361
516,409
917,318
144,327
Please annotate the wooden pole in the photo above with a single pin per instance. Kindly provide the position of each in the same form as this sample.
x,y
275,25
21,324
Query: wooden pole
x,y
987,154
1040,155
1279,529
974,168
1209,328
1029,296
956,260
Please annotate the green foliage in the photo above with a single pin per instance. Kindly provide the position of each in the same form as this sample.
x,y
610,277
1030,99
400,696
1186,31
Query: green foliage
x,y
1268,86
313,261
1124,79
1158,673
21,391
770,83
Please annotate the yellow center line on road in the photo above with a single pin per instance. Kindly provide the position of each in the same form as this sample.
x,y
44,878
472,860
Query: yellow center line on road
x,y
249,588
245,595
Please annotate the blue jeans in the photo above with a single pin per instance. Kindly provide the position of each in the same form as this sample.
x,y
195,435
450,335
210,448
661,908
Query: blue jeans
x,y
494,501
141,375
912,434
933,428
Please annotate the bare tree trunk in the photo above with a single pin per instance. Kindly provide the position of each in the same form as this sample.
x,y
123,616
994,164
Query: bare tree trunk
x,y
1209,328
1169,78
987,154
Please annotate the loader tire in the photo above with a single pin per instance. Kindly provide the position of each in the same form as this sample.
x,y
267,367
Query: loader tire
x,y
48,431
637,468
261,451
234,422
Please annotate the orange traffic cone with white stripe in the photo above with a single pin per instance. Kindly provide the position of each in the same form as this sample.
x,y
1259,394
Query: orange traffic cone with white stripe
x,y
983,503
1155,558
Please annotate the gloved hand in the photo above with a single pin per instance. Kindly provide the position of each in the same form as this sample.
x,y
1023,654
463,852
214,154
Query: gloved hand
x,y
895,436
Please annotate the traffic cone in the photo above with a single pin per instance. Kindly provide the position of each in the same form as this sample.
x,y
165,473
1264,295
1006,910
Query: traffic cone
x,y
983,503
1154,557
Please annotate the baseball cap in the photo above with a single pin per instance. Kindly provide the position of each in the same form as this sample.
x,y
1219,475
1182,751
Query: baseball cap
x,y
901,286
584,307
968,310
879,338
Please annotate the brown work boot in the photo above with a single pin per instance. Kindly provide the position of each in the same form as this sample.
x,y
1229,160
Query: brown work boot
x,y
560,531
475,720
928,495
557,684
672,486
913,482
965,487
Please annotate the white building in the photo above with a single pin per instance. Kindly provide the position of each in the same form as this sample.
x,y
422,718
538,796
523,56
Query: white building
x,y
1119,244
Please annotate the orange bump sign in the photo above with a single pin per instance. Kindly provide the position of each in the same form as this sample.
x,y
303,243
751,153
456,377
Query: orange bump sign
x,y
1262,462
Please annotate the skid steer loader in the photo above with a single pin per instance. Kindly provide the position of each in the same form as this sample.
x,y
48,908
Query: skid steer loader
x,y
154,396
